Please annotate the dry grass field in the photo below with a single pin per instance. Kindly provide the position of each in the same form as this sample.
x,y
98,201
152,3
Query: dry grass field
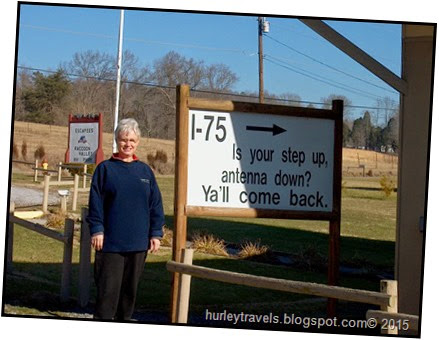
x,y
54,141
375,163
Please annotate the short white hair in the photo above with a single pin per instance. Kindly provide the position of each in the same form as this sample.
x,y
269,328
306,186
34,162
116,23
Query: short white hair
x,y
127,125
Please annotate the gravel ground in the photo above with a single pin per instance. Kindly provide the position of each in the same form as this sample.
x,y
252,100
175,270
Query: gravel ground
x,y
26,197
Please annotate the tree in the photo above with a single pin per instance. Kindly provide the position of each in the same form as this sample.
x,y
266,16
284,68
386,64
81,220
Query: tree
x,y
347,111
141,102
390,134
387,108
219,77
365,134
95,87
92,92
169,71
358,134
174,69
41,99
133,70
346,134
24,80
91,64
289,98
367,126
136,100
375,138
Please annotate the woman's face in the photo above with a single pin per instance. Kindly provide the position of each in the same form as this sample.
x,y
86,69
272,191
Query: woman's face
x,y
127,143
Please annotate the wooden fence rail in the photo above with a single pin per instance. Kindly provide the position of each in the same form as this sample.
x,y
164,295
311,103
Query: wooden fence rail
x,y
47,183
38,170
66,238
23,162
348,294
386,299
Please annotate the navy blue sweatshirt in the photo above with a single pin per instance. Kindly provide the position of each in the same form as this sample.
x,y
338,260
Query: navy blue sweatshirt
x,y
126,205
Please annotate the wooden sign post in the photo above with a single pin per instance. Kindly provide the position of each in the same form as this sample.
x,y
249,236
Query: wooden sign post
x,y
255,160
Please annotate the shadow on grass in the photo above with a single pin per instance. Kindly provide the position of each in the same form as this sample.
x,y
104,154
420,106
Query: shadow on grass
x,y
354,251
38,297
37,292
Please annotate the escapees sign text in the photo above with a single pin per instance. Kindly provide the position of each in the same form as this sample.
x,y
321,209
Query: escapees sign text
x,y
253,160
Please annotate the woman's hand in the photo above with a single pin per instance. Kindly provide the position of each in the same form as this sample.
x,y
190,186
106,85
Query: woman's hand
x,y
97,241
154,245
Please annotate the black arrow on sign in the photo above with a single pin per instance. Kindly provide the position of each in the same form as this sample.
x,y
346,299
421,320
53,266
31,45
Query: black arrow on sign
x,y
275,129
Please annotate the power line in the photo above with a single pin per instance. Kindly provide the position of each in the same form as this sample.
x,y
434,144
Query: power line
x,y
138,40
209,48
151,84
329,66
321,78
310,76
92,77
58,30
297,31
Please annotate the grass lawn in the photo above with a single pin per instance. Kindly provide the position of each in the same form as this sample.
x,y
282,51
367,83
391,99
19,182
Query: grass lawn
x,y
368,236
368,223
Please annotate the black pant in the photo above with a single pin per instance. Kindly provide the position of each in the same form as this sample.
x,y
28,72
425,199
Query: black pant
x,y
117,276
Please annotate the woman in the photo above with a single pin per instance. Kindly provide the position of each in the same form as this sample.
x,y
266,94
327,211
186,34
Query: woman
x,y
126,220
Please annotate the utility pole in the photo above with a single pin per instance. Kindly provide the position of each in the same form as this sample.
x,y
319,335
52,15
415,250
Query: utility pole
x,y
261,61
119,67
263,27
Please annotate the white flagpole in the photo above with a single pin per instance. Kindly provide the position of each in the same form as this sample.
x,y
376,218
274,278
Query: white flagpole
x,y
119,67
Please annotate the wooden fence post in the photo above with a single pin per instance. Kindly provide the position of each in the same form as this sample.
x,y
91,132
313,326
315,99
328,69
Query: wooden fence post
x,y
75,192
9,258
180,189
46,193
84,261
67,260
36,171
84,177
59,171
390,287
63,203
184,289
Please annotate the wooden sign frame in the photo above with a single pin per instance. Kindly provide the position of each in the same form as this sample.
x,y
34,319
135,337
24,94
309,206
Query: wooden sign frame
x,y
182,210
87,119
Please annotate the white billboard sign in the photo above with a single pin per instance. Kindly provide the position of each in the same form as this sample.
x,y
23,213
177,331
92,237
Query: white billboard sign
x,y
84,142
253,160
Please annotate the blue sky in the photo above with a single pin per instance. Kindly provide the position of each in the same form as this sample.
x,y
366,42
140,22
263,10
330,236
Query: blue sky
x,y
419,11
296,59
